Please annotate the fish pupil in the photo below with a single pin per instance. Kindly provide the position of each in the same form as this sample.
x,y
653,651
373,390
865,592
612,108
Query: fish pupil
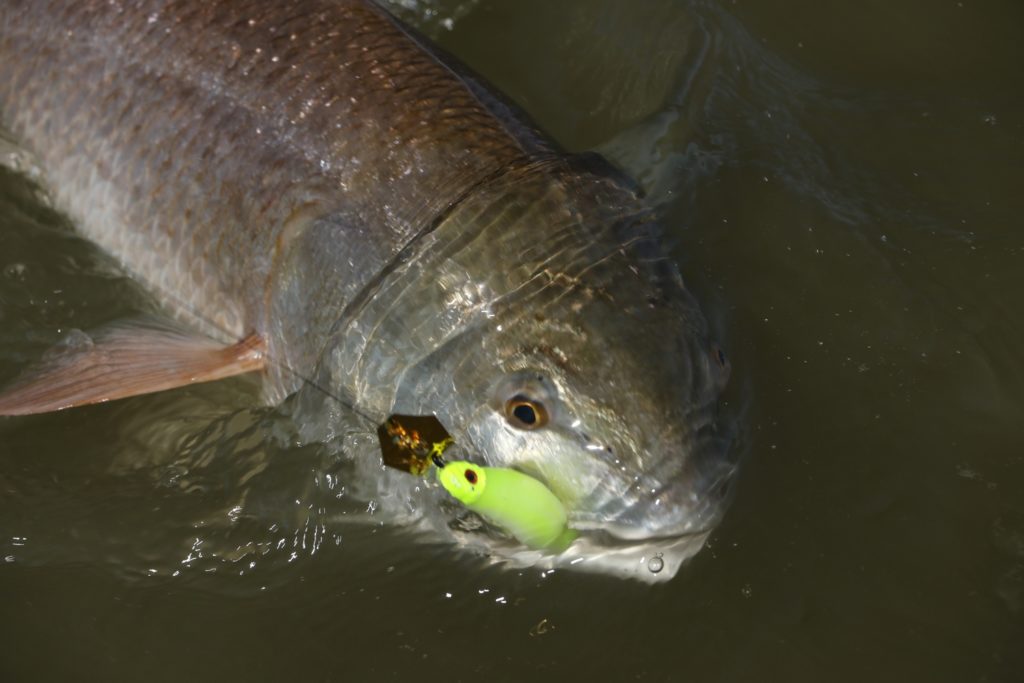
x,y
471,476
525,414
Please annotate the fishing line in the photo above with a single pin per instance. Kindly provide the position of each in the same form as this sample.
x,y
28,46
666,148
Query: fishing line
x,y
228,337
325,392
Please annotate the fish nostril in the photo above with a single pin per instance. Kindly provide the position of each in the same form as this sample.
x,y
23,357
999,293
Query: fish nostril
x,y
721,364
719,356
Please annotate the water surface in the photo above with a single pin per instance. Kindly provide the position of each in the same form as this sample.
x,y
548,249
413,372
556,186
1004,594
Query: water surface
x,y
841,185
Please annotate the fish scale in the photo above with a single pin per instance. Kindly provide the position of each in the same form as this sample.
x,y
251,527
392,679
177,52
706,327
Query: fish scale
x,y
207,127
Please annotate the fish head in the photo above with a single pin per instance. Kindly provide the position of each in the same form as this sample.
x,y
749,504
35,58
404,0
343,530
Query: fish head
x,y
596,373
614,404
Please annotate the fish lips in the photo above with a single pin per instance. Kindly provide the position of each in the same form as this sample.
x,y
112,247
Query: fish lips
x,y
650,536
653,560
638,542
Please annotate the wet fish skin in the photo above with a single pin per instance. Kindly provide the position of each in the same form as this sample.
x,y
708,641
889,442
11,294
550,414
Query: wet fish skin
x,y
314,172
592,320
201,142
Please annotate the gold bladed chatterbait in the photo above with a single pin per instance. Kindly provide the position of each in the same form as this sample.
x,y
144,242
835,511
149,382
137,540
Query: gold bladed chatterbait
x,y
408,442
516,502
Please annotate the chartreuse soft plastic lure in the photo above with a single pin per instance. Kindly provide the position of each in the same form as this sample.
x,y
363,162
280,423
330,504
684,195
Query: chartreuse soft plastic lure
x,y
512,500
509,499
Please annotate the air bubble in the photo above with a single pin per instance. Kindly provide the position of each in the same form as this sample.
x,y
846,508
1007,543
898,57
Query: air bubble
x,y
656,564
15,271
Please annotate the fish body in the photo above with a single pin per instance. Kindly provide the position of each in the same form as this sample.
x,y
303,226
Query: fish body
x,y
313,174
255,163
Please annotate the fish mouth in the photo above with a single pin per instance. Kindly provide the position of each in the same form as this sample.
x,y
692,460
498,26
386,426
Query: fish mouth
x,y
651,560
616,547
645,529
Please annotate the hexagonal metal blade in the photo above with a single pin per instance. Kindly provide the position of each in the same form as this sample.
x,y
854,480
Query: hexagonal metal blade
x,y
407,442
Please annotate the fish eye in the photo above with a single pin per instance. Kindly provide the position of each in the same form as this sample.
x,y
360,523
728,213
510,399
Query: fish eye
x,y
523,412
470,476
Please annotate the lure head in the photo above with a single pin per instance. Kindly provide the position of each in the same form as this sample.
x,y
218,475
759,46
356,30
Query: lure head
x,y
463,480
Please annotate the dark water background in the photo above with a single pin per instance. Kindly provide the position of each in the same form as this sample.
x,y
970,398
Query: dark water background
x,y
843,186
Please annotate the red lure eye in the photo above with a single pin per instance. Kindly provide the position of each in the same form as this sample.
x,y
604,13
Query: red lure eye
x,y
471,476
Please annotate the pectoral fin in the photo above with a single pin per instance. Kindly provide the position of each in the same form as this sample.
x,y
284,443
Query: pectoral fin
x,y
125,360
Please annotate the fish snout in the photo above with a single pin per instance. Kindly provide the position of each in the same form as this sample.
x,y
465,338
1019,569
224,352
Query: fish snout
x,y
680,485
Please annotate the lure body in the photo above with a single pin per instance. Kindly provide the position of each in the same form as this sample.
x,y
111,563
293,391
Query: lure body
x,y
511,500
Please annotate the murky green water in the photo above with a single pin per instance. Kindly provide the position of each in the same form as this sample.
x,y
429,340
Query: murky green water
x,y
842,183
